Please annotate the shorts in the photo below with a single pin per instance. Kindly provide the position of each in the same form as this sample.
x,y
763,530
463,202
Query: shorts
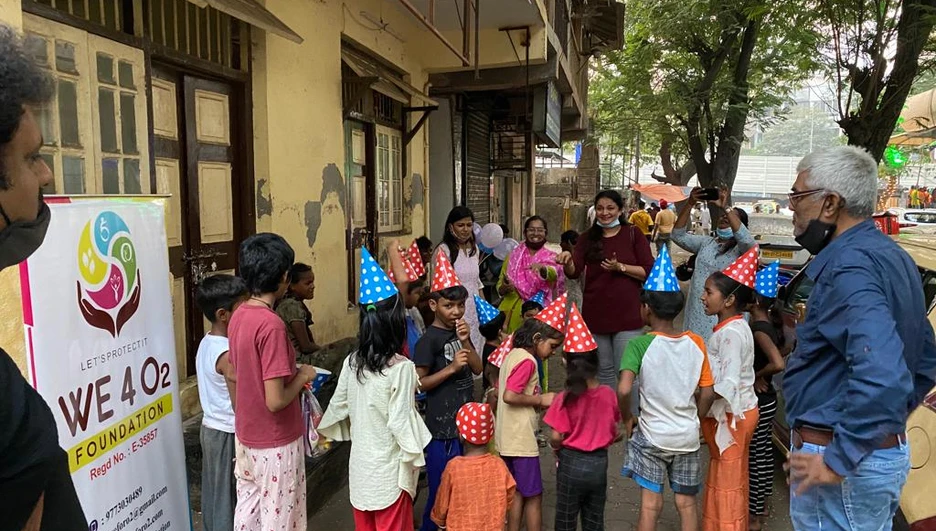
x,y
526,472
649,466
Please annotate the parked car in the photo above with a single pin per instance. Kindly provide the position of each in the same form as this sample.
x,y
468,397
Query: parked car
x,y
774,247
915,221
917,512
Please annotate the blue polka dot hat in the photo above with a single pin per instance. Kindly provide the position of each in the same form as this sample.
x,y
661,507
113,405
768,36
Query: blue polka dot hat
x,y
662,277
486,312
375,284
539,298
766,281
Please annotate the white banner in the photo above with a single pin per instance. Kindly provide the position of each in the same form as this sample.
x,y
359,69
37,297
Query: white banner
x,y
98,316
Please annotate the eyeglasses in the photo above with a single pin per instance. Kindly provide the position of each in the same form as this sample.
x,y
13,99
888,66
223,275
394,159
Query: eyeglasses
x,y
795,197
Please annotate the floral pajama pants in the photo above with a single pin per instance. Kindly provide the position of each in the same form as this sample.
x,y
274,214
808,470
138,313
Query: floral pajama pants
x,y
271,488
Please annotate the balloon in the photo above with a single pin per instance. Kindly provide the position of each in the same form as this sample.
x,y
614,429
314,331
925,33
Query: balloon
x,y
484,249
491,235
505,247
476,229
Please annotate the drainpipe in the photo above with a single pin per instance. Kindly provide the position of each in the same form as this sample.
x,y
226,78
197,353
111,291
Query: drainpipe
x,y
425,129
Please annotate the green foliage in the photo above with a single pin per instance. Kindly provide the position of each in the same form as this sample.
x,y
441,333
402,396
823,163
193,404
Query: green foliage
x,y
802,131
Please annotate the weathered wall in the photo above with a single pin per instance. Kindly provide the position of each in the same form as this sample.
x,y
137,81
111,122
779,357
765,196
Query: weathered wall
x,y
11,13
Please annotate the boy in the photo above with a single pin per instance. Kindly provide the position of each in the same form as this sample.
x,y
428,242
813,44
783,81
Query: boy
x,y
415,326
530,309
476,489
492,328
217,297
671,367
445,361
296,314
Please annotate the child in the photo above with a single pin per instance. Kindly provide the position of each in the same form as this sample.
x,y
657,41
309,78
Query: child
x,y
376,398
730,423
296,314
584,420
415,326
519,399
217,297
671,365
529,310
767,363
573,286
477,488
270,469
445,361
492,328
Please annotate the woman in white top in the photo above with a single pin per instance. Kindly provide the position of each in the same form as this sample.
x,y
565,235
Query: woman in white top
x,y
374,406
458,243
732,418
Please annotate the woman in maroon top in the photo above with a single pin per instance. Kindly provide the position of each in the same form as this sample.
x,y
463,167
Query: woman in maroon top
x,y
615,259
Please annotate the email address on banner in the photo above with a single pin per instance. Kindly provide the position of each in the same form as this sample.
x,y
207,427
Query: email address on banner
x,y
92,448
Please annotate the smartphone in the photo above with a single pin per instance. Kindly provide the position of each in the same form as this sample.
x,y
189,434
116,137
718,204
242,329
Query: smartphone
x,y
710,194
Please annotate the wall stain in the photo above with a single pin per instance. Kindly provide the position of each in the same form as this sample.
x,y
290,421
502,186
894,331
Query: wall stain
x,y
313,220
264,201
417,190
332,183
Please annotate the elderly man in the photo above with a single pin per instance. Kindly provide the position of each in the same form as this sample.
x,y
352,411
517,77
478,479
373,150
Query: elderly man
x,y
36,489
865,355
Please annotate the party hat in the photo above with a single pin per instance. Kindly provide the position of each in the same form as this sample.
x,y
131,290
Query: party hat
x,y
662,277
765,283
539,298
497,357
486,312
443,274
375,284
744,268
408,267
554,315
475,423
578,337
415,258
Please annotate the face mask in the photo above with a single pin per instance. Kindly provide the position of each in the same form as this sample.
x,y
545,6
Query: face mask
x,y
816,236
20,239
615,223
724,234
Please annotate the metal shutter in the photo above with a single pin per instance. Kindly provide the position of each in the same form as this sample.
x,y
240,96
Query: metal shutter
x,y
478,164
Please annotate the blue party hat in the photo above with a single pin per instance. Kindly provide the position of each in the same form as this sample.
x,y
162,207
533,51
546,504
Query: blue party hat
x,y
375,284
539,298
662,277
486,312
765,283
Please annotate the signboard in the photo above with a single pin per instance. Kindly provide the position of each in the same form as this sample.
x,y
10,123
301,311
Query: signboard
x,y
547,114
101,351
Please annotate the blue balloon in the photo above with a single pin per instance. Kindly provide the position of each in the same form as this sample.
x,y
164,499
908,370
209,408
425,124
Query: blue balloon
x,y
484,249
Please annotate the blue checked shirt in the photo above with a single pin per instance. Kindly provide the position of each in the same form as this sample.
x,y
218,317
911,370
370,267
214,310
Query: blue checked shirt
x,y
865,355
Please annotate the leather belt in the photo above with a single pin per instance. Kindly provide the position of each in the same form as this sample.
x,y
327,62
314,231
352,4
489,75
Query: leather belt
x,y
823,437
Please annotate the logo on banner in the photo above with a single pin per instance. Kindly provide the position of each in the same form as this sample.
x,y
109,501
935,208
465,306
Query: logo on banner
x,y
109,281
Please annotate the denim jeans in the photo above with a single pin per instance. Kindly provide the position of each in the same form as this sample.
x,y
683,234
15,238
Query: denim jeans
x,y
866,500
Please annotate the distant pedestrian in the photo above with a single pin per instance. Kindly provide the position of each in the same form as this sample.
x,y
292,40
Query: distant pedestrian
x,y
865,355
217,298
663,225
297,316
642,220
585,421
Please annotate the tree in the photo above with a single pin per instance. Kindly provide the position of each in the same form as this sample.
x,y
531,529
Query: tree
x,y
875,50
692,74
803,130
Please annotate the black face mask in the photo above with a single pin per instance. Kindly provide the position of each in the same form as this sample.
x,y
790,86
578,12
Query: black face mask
x,y
816,236
20,239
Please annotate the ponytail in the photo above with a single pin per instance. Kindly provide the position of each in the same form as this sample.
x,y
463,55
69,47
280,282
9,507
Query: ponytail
x,y
580,367
382,335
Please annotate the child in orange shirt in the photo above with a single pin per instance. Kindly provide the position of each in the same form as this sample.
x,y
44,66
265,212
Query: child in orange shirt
x,y
476,488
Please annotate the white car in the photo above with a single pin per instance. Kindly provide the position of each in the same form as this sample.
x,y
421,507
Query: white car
x,y
915,220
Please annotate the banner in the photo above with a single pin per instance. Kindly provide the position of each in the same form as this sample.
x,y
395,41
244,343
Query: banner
x,y
101,351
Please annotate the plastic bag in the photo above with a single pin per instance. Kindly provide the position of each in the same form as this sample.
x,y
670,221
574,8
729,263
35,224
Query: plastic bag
x,y
311,416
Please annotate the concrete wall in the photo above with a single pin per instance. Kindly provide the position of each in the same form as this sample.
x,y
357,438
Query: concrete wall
x,y
441,169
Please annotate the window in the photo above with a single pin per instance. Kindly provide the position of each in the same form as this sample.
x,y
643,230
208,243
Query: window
x,y
389,179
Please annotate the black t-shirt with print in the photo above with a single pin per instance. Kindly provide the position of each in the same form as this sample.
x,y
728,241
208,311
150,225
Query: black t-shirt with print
x,y
435,350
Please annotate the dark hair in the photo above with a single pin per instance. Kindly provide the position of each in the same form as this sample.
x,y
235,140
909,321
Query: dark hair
x,y
641,203
664,304
297,270
424,244
419,283
742,215
219,292
524,336
381,336
769,305
596,233
448,239
531,219
580,367
264,259
569,236
22,83
530,305
729,286
505,229
455,293
492,329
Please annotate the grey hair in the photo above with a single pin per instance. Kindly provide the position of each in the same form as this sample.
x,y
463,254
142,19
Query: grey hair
x,y
848,171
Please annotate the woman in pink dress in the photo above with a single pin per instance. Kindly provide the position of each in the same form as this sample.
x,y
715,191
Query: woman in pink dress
x,y
458,243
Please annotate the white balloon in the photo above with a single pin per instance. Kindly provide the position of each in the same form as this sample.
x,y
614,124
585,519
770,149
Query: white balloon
x,y
505,247
476,229
491,235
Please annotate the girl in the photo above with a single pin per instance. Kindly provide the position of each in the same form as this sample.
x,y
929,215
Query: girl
x,y
458,243
584,420
374,406
519,398
767,362
730,424
297,316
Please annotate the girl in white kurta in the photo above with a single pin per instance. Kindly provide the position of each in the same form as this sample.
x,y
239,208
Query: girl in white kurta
x,y
374,406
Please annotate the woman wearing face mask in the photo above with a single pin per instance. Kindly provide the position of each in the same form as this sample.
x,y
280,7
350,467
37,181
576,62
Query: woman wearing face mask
x,y
732,239
615,259
458,243
529,269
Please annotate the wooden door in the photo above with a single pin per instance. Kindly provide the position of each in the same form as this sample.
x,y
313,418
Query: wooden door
x,y
362,218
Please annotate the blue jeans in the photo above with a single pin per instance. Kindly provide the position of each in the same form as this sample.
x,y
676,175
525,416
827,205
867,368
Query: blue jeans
x,y
438,453
866,500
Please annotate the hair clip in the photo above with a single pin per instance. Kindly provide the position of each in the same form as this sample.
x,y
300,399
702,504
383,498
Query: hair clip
x,y
370,308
